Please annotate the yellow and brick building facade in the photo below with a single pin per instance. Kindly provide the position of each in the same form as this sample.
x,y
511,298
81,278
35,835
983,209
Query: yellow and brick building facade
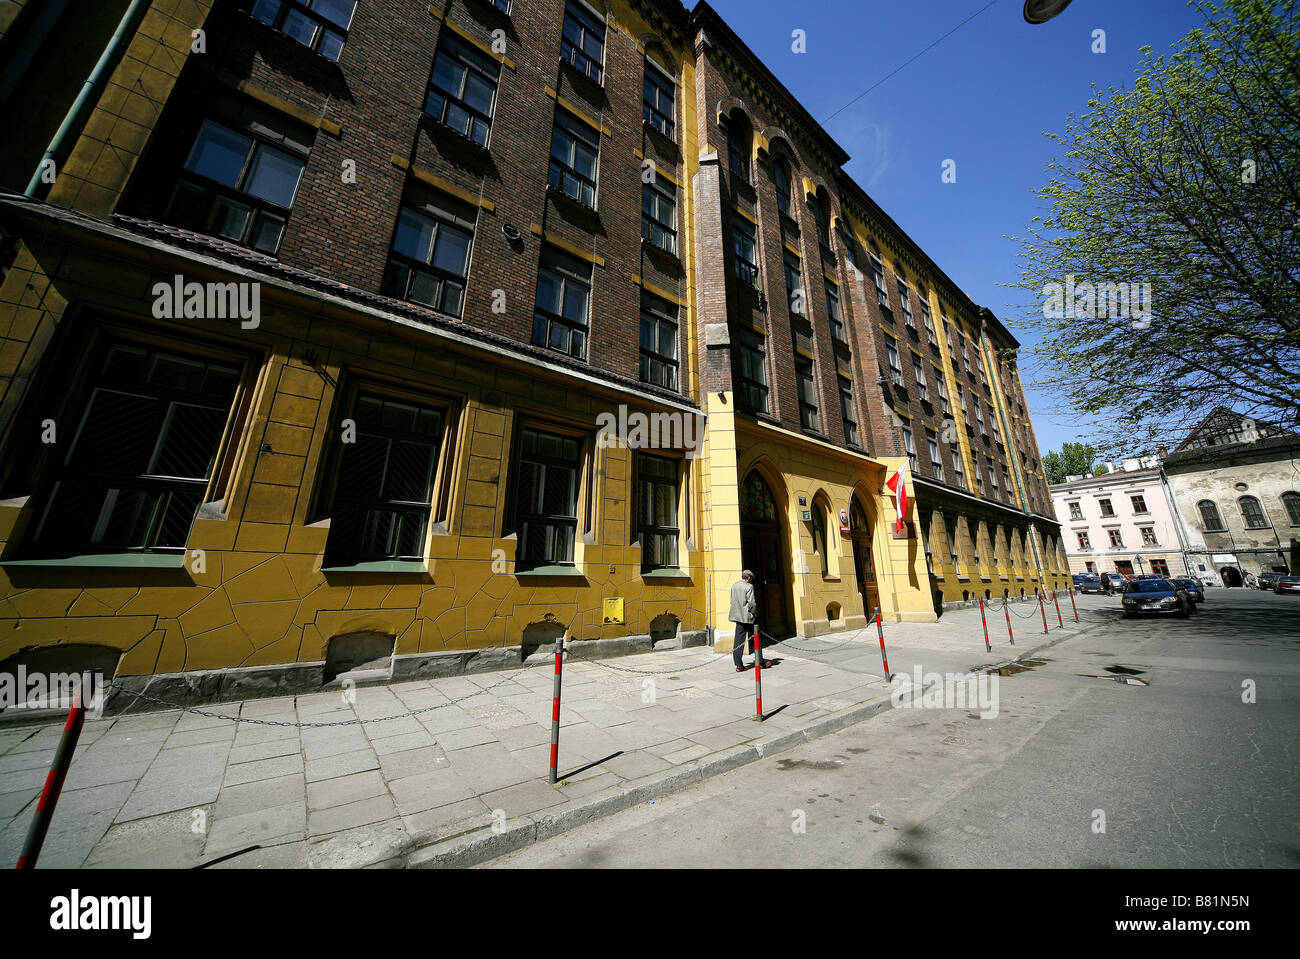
x,y
316,318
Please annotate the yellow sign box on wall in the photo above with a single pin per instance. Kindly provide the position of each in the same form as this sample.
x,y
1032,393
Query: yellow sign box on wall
x,y
614,610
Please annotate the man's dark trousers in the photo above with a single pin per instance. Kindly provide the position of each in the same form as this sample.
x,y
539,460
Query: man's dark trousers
x,y
744,640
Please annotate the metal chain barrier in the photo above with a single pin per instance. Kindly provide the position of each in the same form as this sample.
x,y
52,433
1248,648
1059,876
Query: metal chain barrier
x,y
998,607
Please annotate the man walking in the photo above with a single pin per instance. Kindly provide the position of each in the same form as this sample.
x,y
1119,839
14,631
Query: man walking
x,y
744,613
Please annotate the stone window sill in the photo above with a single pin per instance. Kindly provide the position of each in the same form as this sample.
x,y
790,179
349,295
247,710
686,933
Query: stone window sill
x,y
105,561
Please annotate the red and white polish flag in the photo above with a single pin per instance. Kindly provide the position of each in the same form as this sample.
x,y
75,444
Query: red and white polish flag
x,y
898,486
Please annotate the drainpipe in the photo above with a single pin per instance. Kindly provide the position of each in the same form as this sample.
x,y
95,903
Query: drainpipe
x,y
81,107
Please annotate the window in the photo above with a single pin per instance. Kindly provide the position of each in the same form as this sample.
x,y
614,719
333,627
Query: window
x,y
737,148
1252,513
948,522
1291,501
958,473
658,342
502,5
141,455
1139,504
546,500
745,249
1076,511
660,95
751,350
927,320
563,301
462,88
961,350
238,185
781,177
808,419
847,411
1160,567
321,25
961,397
906,303
819,536
910,447
659,213
385,482
833,311
794,284
582,42
574,149
878,277
1006,483
993,476
922,388
936,464
891,353
1116,540
1084,542
822,218
1106,508
429,261
656,510
1148,536
942,386
1210,519
979,412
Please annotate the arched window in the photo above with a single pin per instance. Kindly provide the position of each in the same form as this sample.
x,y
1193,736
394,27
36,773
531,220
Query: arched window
x,y
756,500
1211,522
781,176
1291,500
738,144
819,534
821,213
1252,512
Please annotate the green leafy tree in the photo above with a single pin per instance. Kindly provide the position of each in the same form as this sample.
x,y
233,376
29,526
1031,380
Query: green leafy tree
x,y
1074,459
1188,182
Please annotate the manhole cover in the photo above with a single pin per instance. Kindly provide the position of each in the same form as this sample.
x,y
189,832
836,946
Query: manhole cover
x,y
955,741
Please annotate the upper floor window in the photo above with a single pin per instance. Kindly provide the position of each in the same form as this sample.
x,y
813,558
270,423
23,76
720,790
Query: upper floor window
x,y
657,484
546,499
660,95
659,213
794,283
658,342
737,148
574,150
808,415
745,248
240,184
429,262
1139,504
319,24
141,453
462,88
891,354
927,320
847,411
906,303
1252,512
823,219
1291,501
910,446
1210,518
502,5
918,371
1076,512
781,177
1106,508
833,311
878,277
385,482
583,40
936,463
942,386
1116,539
561,317
1084,542
1149,536
751,352
958,473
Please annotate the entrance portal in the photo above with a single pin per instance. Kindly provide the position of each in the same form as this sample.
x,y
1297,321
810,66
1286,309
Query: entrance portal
x,y
760,551
1231,576
860,531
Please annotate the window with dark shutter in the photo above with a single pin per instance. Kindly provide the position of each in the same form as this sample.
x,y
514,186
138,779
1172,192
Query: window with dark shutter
x,y
546,499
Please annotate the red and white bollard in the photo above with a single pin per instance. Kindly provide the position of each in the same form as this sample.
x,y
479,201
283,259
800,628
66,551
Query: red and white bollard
x,y
1060,623
758,676
1006,611
1042,609
985,624
553,774
884,658
53,784
1073,606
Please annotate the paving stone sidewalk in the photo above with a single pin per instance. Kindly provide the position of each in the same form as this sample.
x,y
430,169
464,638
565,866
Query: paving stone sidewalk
x,y
174,789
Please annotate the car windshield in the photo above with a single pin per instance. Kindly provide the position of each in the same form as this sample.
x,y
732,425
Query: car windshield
x,y
1148,586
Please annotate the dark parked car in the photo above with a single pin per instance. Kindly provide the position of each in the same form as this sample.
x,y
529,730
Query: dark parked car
x,y
1195,591
1153,597
1267,580
1088,583
1287,584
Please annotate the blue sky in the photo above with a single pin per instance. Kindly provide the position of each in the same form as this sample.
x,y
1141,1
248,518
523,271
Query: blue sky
x,y
982,97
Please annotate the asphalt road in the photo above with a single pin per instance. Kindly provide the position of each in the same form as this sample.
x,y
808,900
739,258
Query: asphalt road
x,y
1075,770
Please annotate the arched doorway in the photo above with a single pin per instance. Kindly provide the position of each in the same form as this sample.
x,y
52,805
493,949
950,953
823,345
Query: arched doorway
x,y
1231,576
860,533
761,551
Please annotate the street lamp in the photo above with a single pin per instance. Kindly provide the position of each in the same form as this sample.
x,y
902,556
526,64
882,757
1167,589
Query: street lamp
x,y
1040,11
1141,568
